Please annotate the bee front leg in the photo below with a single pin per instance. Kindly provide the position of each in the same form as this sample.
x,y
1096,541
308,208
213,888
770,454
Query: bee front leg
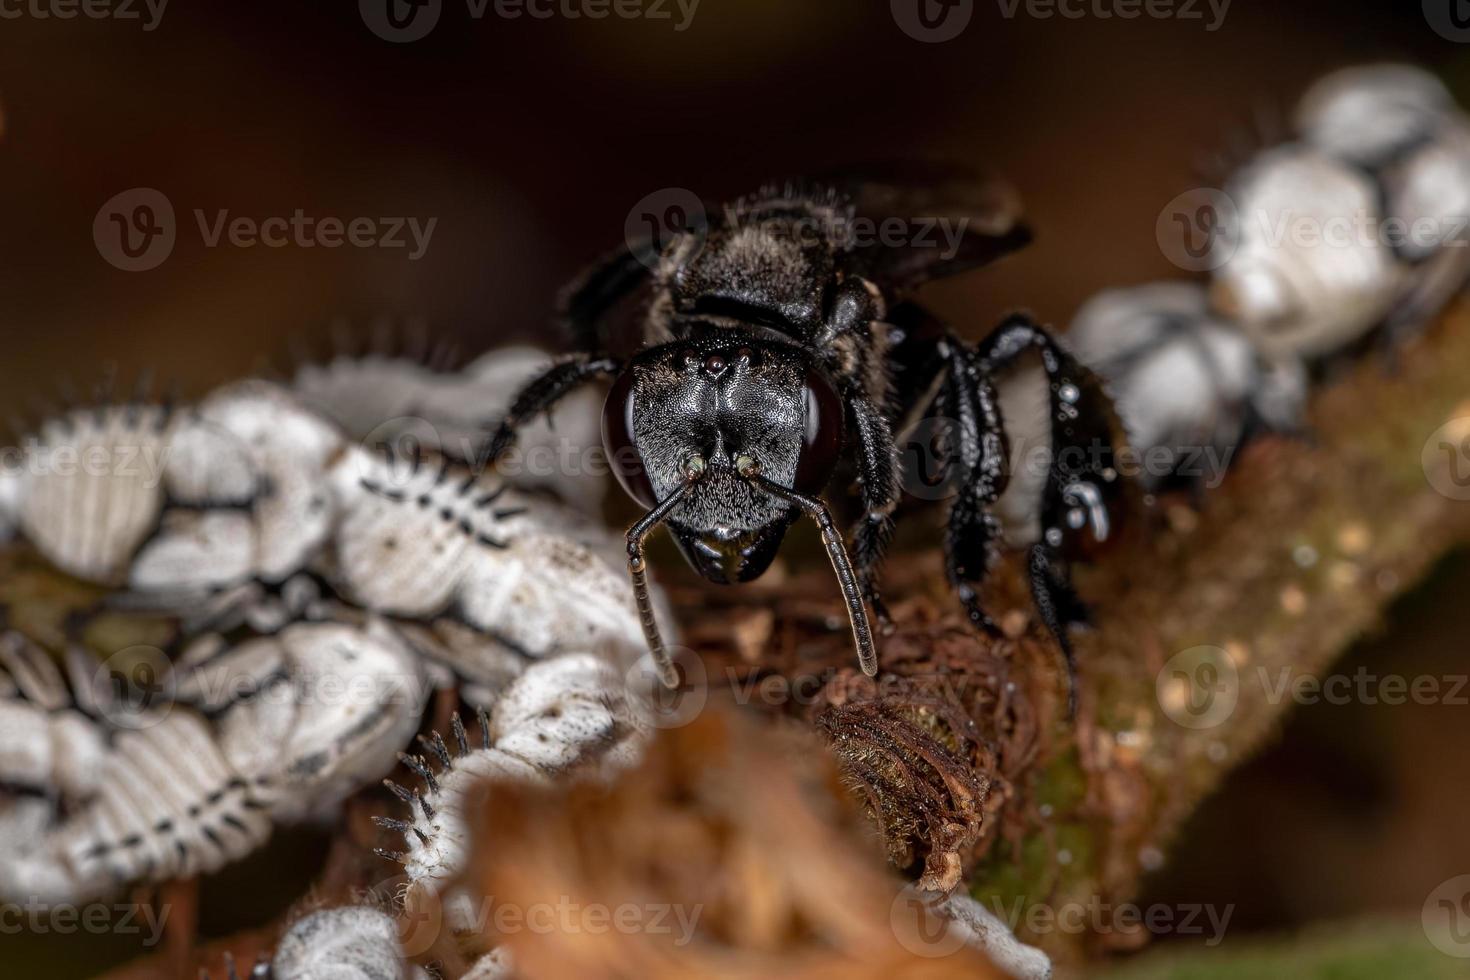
x,y
540,395
878,472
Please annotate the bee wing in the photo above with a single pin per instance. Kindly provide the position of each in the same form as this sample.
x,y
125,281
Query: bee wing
x,y
953,219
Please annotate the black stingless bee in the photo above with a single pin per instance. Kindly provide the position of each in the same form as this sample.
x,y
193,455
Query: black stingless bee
x,y
779,339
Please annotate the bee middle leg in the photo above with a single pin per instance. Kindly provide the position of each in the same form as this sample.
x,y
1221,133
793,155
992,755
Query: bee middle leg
x,y
979,450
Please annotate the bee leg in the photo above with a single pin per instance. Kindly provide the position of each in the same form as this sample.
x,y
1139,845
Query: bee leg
x,y
1059,608
878,470
972,538
971,547
1083,483
540,395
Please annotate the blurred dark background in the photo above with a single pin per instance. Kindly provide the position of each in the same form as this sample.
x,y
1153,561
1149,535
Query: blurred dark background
x,y
530,140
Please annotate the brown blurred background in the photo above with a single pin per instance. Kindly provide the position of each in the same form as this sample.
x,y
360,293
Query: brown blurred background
x,y
530,140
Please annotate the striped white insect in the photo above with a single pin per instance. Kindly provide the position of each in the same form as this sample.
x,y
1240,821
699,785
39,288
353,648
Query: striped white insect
x,y
47,746
91,484
399,401
278,729
1361,224
1187,383
1308,273
318,709
565,718
1400,124
287,522
423,537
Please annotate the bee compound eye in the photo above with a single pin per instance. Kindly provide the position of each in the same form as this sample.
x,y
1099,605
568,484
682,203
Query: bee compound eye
x,y
619,443
821,435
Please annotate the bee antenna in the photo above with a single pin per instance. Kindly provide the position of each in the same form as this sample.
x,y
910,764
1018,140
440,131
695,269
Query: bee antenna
x,y
852,594
638,571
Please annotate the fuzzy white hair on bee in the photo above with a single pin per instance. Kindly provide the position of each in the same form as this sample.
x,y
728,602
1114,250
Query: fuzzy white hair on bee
x,y
565,718
95,480
400,400
1184,379
1307,272
348,943
422,536
318,709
